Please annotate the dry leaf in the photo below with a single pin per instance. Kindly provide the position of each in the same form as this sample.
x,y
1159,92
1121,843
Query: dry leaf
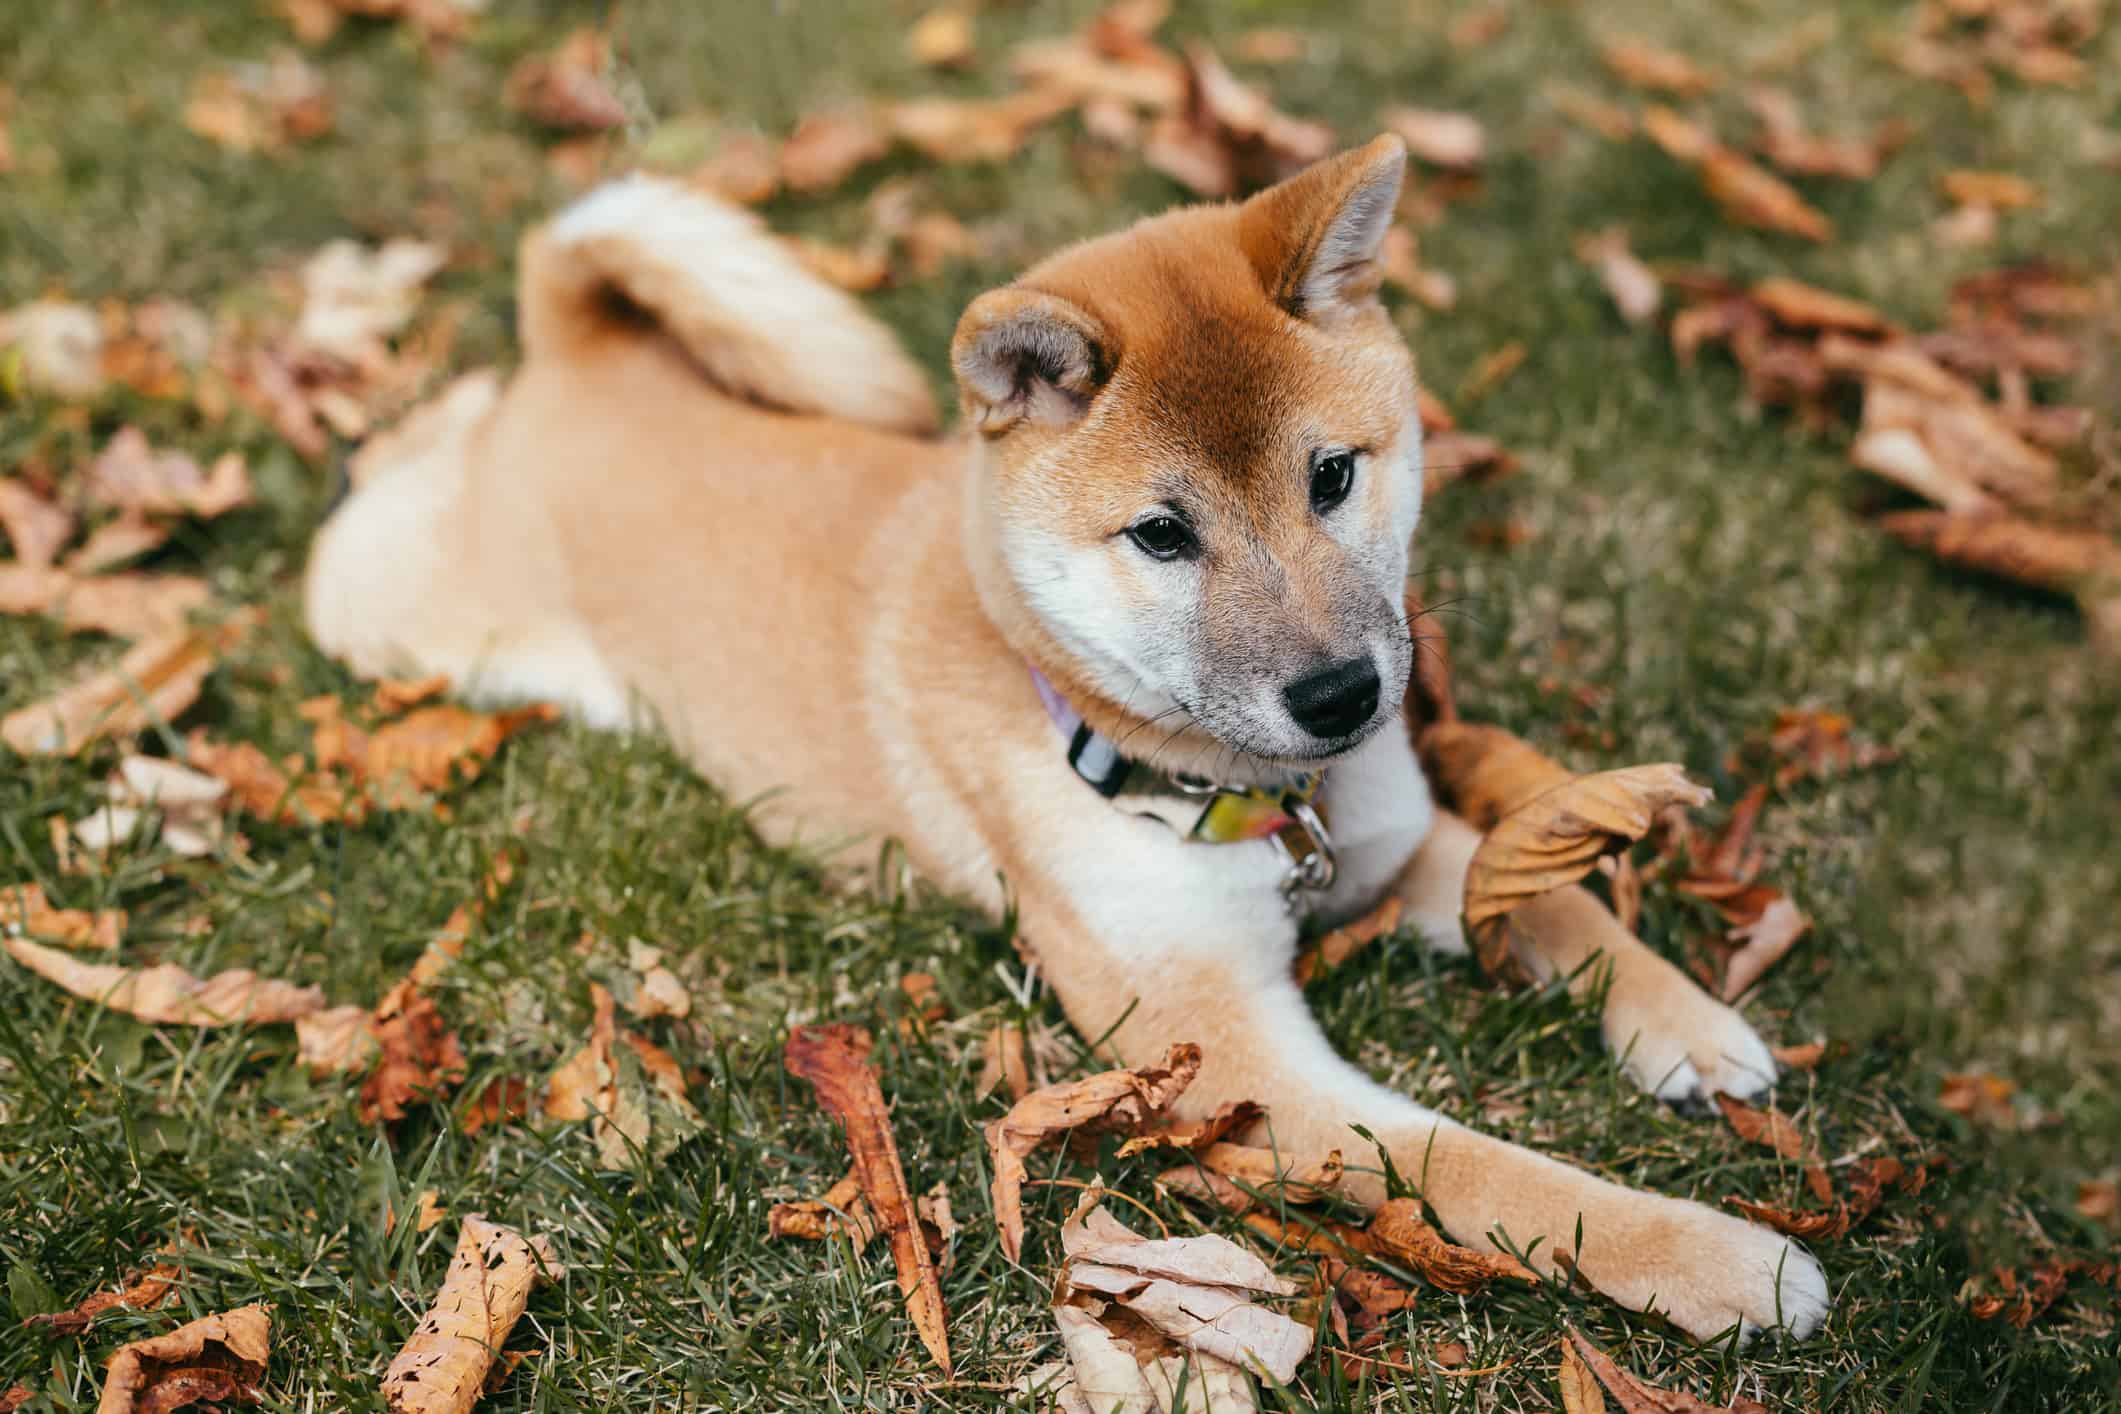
x,y
260,788
260,107
1579,1387
60,344
841,1209
143,1291
1555,839
1399,260
216,1359
825,148
501,1101
2099,1201
1786,142
355,298
658,992
1641,64
1753,196
1867,1184
1609,120
125,606
1802,306
1271,1175
2043,556
858,270
1484,772
974,130
1815,744
632,1092
1228,139
1764,941
1271,45
1399,1232
745,168
436,747
568,89
835,1059
334,1040
1454,140
1005,1061
1110,1100
393,695
153,682
1999,191
36,528
443,1366
1769,1128
25,911
1342,943
130,475
1980,1097
418,1056
941,39
1637,1397
168,993
1634,288
1803,1057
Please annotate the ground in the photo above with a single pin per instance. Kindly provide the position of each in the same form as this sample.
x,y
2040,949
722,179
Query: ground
x,y
1692,570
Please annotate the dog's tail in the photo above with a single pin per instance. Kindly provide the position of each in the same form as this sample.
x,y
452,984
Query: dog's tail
x,y
758,324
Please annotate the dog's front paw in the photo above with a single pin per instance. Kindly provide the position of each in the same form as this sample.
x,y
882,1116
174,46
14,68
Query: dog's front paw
x,y
1707,1271
1683,1046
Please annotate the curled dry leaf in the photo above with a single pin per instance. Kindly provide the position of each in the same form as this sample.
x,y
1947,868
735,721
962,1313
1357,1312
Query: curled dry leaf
x,y
1485,772
631,1091
1249,1171
1763,942
169,994
442,1368
1753,196
1110,1100
155,680
25,911
130,475
123,605
216,1359
1336,947
1228,139
36,529
835,1060
842,1208
1639,1397
2043,556
568,89
418,1057
1398,1232
1454,140
825,148
143,1291
1634,288
1556,838
1867,1182
1641,64
1769,1128
262,789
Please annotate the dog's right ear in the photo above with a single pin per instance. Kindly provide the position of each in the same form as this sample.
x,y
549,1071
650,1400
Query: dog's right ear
x,y
1023,356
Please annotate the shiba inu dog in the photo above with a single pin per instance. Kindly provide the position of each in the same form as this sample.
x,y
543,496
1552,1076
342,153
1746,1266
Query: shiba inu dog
x,y
1129,649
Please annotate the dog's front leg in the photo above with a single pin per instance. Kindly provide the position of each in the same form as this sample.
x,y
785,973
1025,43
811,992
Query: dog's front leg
x,y
1226,985
1672,1038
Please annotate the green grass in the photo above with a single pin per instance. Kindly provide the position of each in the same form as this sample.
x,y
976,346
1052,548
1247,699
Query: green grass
x,y
1698,567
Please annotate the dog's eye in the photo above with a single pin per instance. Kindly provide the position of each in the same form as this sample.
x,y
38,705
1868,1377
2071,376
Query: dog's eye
x,y
1162,537
1331,480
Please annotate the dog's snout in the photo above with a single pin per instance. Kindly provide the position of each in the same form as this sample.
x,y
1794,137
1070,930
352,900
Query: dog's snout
x,y
1336,700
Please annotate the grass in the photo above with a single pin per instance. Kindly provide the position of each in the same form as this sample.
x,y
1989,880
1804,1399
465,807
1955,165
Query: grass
x,y
1694,567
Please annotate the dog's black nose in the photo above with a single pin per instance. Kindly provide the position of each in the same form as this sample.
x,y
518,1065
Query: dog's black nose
x,y
1335,700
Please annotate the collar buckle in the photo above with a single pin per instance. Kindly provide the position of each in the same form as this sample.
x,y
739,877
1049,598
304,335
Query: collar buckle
x,y
1306,852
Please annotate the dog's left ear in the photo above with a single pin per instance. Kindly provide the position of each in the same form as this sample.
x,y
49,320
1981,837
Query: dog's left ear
x,y
1314,238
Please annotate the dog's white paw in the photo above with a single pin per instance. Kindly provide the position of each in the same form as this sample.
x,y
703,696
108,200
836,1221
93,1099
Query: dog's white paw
x,y
1707,1271
1443,933
1687,1047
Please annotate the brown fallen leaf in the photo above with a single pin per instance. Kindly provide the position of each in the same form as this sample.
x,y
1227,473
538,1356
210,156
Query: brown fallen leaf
x,y
1400,1233
1753,196
1769,1128
1641,64
1454,140
1608,120
130,475
841,1209
1400,262
418,1057
1633,287
442,1367
122,605
835,1060
219,1358
632,1092
1006,1062
859,269
825,148
2043,556
395,695
154,681
1228,139
142,1291
1556,838
1867,1182
942,38
1578,1386
568,89
1110,1100
1786,142
744,168
260,107
334,1040
2099,1201
169,994
499,1103
1638,1397
1763,942
25,911
1802,1057
36,528
1490,371
974,130
260,788
1194,1136
1999,191
1270,1175
1981,1097
1485,772
14,1397
1802,306
114,542
1342,943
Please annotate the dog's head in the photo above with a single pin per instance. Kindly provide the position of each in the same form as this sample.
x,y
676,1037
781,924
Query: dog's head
x,y
1200,461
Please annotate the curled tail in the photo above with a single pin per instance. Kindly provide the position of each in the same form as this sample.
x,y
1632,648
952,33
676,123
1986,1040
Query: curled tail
x,y
757,323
